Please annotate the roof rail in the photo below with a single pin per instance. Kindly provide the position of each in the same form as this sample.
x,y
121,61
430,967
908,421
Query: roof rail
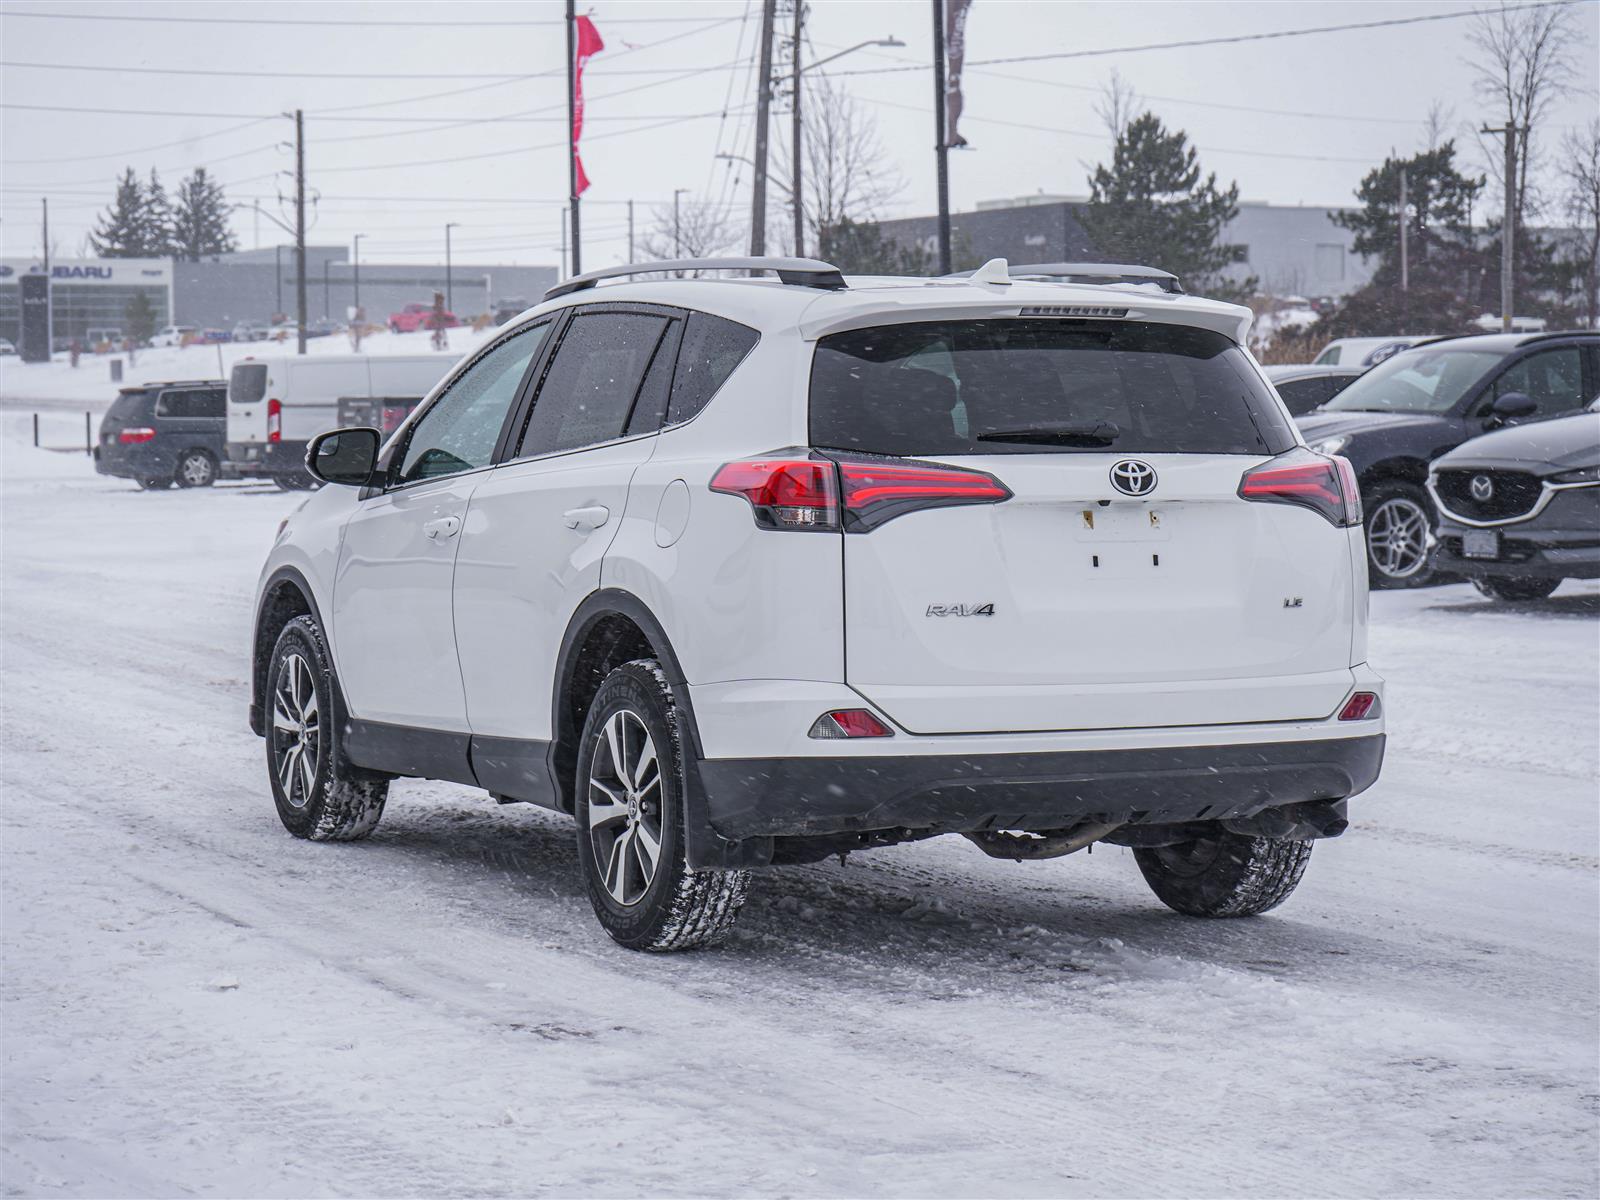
x,y
799,272
1099,273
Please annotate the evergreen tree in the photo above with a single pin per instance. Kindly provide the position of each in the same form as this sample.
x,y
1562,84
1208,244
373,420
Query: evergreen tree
x,y
200,219
1151,206
156,221
1446,271
120,231
859,248
140,316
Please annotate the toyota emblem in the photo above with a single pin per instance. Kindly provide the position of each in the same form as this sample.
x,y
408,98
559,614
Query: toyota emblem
x,y
1133,478
1482,489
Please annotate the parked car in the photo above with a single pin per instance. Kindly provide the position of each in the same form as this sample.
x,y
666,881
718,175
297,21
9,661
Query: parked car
x,y
324,327
505,309
250,331
418,316
95,339
1519,508
1042,580
277,403
6,348
158,434
1407,411
175,335
1306,386
1364,351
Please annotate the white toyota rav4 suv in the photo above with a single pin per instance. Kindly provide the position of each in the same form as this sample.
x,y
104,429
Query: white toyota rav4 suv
x,y
745,571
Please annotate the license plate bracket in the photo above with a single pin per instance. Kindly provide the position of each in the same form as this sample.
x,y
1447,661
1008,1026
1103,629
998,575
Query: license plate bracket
x,y
1480,543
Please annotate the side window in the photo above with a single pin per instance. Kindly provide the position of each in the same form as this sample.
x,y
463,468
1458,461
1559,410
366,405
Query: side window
x,y
650,409
183,405
1553,378
712,348
588,392
1302,395
213,404
460,429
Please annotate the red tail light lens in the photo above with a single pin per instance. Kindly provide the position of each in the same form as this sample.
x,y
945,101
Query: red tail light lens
x,y
274,420
856,495
849,723
1326,485
1358,707
133,436
785,493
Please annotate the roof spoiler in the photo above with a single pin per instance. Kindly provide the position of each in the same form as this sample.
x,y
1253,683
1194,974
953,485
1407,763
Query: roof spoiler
x,y
1067,272
797,272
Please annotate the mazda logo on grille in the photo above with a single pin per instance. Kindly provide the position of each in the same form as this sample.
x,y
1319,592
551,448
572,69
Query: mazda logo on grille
x,y
1482,488
1133,478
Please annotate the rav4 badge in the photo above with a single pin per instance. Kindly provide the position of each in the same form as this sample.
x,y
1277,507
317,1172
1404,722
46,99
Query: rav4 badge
x,y
960,610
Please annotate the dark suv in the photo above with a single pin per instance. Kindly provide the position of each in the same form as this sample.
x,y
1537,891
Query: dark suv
x,y
1410,409
159,434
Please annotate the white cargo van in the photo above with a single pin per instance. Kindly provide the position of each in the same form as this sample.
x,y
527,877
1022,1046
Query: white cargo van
x,y
277,404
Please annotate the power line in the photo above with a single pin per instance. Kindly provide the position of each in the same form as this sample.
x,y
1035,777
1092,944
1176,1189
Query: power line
x,y
41,162
434,26
1232,39
140,112
497,77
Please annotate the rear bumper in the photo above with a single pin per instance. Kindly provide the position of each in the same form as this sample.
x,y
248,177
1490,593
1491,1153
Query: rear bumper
x,y
778,797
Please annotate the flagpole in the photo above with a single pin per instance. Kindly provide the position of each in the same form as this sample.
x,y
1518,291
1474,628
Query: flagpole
x,y
940,148
572,132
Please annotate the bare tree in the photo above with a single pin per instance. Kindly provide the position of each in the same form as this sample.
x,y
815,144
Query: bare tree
x,y
1118,104
696,229
1580,153
1436,125
848,173
1524,61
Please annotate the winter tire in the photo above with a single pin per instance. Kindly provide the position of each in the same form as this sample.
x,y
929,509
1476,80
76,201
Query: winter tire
x,y
1515,587
1399,523
154,485
630,788
319,794
1225,875
196,469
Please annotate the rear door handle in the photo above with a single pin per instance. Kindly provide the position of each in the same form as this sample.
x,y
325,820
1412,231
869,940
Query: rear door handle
x,y
586,518
442,527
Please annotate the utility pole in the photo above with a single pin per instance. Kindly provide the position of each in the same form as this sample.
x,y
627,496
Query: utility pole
x,y
630,232
49,315
1405,257
758,190
277,267
941,149
564,244
1508,228
300,226
357,321
796,137
572,132
448,296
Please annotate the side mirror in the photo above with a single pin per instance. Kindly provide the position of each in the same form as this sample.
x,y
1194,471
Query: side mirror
x,y
347,456
1513,406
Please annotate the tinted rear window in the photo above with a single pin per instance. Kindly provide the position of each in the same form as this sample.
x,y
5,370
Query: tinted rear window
x,y
248,383
712,348
1040,387
128,404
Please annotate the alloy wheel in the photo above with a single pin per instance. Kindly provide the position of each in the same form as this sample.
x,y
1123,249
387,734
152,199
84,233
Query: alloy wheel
x,y
1397,537
296,729
625,804
196,470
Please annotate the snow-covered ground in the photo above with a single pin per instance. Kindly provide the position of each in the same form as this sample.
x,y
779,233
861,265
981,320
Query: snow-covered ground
x,y
196,1003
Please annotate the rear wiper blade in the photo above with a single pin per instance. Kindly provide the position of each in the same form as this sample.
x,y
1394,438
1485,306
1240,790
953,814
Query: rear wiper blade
x,y
1101,433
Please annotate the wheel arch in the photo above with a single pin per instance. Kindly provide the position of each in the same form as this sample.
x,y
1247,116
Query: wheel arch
x,y
1404,468
285,596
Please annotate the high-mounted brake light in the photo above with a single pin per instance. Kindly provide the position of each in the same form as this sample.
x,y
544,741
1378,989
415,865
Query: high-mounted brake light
x,y
1358,707
274,420
1326,484
849,723
135,435
857,495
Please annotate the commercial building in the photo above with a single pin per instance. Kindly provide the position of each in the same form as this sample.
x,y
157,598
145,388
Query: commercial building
x,y
255,286
1291,250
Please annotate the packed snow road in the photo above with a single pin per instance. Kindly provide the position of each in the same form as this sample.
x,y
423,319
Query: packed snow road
x,y
196,1003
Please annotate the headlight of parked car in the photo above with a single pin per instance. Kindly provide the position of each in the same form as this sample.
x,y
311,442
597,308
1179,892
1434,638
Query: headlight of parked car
x,y
1581,475
1330,445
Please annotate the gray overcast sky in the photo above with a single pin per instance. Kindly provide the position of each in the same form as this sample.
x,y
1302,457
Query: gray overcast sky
x,y
656,96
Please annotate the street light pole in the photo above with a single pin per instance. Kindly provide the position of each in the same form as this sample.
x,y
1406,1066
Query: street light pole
x,y
449,300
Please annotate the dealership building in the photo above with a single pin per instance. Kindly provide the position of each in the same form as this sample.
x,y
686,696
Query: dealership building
x,y
254,286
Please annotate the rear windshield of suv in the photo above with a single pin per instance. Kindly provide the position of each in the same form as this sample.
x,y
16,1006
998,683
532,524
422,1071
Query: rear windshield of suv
x,y
127,404
248,383
1017,386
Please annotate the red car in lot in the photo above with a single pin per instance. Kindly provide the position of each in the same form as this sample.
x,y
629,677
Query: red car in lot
x,y
419,316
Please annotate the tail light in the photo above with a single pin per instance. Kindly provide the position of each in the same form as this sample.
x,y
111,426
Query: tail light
x,y
857,495
849,723
1326,484
1359,707
274,420
136,434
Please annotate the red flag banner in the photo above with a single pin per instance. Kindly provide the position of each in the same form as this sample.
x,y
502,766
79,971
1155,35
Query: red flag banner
x,y
955,47
588,45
